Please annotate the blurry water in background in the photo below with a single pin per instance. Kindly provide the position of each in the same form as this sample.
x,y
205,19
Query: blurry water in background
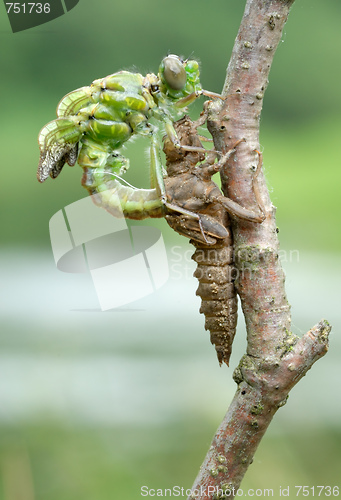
x,y
62,357
85,393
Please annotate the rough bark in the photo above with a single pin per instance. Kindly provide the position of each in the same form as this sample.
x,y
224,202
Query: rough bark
x,y
276,359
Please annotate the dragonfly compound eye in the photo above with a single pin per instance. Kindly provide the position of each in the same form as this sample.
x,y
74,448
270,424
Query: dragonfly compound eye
x,y
174,72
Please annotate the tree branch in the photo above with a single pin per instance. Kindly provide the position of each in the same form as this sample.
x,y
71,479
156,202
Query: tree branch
x,y
276,359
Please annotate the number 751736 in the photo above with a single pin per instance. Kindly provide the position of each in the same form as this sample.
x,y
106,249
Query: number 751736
x,y
28,8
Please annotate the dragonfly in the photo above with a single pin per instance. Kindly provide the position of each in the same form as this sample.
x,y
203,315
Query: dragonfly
x,y
94,122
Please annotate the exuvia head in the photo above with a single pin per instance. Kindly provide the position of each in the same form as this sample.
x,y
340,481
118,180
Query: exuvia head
x,y
178,77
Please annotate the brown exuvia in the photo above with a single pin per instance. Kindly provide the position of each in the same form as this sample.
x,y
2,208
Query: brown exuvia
x,y
205,219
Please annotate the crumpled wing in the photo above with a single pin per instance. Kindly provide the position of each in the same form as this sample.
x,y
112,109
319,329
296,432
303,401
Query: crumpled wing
x,y
58,144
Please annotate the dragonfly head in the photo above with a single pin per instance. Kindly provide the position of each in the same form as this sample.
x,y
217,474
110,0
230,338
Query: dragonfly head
x,y
178,77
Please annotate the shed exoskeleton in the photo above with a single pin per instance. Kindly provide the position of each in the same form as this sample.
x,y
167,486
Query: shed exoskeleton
x,y
190,187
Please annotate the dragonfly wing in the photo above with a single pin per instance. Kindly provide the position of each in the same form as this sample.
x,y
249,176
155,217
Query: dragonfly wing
x,y
58,143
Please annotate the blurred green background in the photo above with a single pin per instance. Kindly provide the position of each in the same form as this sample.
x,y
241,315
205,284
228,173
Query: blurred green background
x,y
95,405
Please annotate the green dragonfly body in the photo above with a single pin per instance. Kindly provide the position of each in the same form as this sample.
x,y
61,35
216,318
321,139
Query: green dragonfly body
x,y
94,122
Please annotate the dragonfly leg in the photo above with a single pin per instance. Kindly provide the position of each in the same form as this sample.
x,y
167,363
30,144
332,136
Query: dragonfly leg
x,y
157,182
234,208
185,101
172,135
156,168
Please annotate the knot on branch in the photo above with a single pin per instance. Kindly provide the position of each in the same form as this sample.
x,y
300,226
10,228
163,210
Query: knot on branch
x,y
258,373
273,376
